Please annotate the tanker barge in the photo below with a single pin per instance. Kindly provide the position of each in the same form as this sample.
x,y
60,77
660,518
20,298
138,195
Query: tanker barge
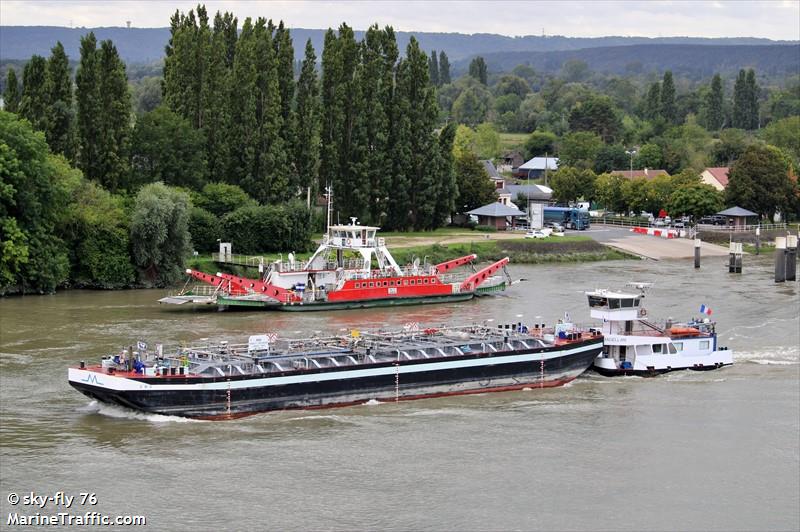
x,y
224,381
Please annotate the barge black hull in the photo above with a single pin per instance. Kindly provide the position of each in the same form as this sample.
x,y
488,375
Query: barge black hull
x,y
230,397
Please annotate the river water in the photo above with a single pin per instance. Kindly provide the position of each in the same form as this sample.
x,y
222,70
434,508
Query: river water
x,y
716,450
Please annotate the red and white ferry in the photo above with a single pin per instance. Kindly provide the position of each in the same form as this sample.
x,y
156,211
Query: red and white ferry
x,y
352,268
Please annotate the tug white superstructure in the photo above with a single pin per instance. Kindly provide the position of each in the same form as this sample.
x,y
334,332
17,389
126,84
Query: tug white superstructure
x,y
634,345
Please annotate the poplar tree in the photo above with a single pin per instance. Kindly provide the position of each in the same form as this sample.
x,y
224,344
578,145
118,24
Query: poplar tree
x,y
306,147
448,186
340,93
741,111
349,188
652,105
217,100
186,64
417,147
244,124
434,69
444,68
115,119
88,107
478,70
389,56
284,51
33,104
668,111
331,111
11,93
59,102
715,116
752,100
271,175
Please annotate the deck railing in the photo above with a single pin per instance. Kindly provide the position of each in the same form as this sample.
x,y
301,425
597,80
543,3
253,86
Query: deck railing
x,y
238,260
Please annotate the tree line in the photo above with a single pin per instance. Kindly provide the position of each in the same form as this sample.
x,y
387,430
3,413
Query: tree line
x,y
235,150
598,123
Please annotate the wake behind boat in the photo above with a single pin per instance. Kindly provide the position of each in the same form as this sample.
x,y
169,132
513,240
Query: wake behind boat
x,y
222,380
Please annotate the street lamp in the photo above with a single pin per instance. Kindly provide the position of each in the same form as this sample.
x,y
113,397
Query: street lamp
x,y
631,152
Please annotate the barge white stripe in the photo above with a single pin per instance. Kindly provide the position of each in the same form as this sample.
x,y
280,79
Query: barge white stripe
x,y
123,384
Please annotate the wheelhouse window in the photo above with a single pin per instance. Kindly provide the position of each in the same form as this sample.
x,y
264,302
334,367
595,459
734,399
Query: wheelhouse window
x,y
613,303
678,346
595,301
704,344
657,349
627,303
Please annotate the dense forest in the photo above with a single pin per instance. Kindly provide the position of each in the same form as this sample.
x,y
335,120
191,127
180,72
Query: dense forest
x,y
112,173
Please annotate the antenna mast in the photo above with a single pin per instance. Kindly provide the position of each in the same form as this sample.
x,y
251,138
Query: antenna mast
x,y
329,195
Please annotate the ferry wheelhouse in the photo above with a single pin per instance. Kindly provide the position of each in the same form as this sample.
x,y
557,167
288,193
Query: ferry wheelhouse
x,y
636,345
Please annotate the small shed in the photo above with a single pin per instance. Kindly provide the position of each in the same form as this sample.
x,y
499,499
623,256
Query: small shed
x,y
739,217
497,215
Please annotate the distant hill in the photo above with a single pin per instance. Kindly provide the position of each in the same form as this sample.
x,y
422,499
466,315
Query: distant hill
x,y
141,45
690,60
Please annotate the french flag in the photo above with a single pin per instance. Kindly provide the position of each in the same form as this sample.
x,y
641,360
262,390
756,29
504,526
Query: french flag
x,y
705,310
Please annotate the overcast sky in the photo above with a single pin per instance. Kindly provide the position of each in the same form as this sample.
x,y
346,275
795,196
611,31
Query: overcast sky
x,y
779,19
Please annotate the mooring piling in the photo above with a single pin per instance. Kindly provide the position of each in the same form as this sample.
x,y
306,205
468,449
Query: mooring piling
x,y
697,252
780,259
791,258
758,240
735,260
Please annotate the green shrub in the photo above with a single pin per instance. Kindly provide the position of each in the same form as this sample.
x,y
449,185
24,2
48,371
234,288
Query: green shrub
x,y
205,229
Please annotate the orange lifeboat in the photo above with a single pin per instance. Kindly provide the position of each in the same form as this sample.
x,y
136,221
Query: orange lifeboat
x,y
683,331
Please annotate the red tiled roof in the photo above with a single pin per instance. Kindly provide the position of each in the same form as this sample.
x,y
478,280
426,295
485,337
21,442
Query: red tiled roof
x,y
720,173
647,173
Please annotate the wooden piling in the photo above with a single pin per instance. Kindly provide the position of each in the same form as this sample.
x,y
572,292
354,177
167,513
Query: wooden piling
x,y
780,259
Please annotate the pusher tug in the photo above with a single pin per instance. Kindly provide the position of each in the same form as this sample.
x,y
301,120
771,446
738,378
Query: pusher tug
x,y
634,345
222,380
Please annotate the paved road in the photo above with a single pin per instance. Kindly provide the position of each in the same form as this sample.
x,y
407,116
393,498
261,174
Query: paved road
x,y
651,247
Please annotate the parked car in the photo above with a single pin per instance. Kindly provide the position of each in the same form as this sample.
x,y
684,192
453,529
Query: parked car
x,y
679,224
536,233
659,222
555,226
713,220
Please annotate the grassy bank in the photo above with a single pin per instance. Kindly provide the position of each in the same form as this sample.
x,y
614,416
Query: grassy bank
x,y
520,251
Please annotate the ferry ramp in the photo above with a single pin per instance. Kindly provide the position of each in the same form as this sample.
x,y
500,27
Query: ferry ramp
x,y
651,247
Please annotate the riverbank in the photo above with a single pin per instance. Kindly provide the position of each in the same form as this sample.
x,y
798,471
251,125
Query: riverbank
x,y
490,247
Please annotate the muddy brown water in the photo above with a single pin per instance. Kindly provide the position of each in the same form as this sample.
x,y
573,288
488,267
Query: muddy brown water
x,y
716,450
